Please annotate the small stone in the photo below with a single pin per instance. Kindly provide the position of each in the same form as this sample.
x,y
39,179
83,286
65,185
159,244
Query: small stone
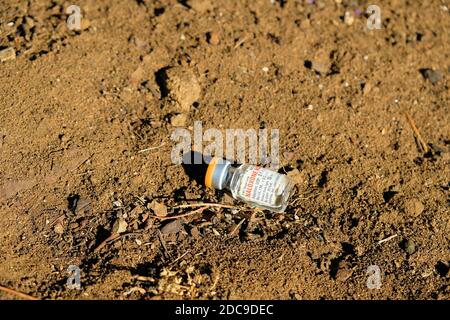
x,y
410,246
343,274
196,233
348,18
7,54
296,176
74,225
183,87
120,226
179,120
321,66
434,76
158,208
85,24
227,199
305,24
139,43
367,88
413,207
29,22
201,6
59,228
172,227
138,242
213,38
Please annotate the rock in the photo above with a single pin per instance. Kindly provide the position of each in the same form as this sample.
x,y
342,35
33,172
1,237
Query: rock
x,y
343,274
201,6
320,63
434,76
158,208
196,233
213,38
296,176
320,66
7,54
85,24
120,226
29,22
139,43
183,87
409,246
136,77
172,227
59,228
147,70
348,18
179,120
413,207
367,88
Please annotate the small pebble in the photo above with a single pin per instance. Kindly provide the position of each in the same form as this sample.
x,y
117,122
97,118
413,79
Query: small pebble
x,y
348,18
59,228
172,227
7,54
410,246
120,226
413,207
434,76
179,120
213,38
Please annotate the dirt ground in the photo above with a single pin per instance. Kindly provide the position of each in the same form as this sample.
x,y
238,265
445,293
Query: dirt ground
x,y
86,174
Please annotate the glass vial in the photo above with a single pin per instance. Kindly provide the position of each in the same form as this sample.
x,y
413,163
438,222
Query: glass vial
x,y
259,187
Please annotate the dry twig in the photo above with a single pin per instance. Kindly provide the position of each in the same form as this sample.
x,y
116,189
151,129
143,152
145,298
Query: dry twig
x,y
422,142
17,293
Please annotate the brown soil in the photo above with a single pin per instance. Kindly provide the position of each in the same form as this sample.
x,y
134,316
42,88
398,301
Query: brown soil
x,y
77,108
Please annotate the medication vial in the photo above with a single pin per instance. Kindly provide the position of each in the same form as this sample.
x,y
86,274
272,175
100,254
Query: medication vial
x,y
254,185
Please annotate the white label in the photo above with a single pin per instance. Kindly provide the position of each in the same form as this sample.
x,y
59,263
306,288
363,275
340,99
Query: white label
x,y
261,186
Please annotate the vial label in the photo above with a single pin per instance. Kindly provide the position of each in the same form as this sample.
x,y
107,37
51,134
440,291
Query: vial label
x,y
261,186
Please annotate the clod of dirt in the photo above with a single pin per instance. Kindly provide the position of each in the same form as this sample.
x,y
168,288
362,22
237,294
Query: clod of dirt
x,y
7,54
85,24
183,87
434,76
179,120
172,227
120,226
344,273
139,43
201,6
151,69
59,228
196,233
158,208
297,176
413,207
348,18
409,246
321,62
213,38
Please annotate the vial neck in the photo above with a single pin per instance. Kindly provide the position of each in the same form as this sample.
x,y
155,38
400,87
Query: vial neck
x,y
229,177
